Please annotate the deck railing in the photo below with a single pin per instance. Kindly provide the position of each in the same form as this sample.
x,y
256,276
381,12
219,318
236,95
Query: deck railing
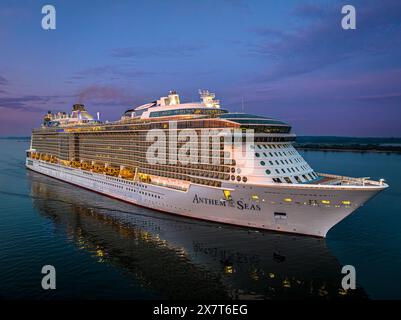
x,y
358,181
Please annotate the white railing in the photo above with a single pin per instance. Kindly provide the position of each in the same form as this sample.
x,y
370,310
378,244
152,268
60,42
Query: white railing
x,y
358,181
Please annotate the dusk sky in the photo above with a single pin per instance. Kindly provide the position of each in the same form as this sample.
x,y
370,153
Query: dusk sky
x,y
290,60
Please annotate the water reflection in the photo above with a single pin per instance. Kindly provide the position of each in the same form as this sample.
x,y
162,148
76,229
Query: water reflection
x,y
182,259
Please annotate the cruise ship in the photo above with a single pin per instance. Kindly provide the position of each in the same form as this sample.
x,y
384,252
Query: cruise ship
x,y
198,160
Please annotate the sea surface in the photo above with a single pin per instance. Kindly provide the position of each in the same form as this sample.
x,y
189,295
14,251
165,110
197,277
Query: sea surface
x,y
106,249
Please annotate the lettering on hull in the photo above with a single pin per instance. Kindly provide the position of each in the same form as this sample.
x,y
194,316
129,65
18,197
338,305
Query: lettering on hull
x,y
240,204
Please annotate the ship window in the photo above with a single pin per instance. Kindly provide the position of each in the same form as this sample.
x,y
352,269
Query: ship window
x,y
244,179
271,162
267,171
257,155
326,201
255,197
238,178
288,200
262,163
288,180
346,202
277,171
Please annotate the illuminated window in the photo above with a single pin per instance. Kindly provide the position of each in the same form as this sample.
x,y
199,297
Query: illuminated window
x,y
288,200
255,197
326,201
227,194
346,202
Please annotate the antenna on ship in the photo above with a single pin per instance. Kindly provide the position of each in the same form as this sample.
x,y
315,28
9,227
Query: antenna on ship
x,y
98,116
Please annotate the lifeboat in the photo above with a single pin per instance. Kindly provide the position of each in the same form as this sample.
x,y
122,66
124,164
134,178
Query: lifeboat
x,y
126,173
76,164
112,171
98,168
85,166
144,177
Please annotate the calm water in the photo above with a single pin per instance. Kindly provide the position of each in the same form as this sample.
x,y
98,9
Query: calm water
x,y
103,248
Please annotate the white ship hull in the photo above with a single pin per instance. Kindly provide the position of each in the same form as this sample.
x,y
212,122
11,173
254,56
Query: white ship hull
x,y
279,207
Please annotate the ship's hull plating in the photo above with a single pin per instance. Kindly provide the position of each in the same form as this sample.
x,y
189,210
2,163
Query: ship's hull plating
x,y
264,207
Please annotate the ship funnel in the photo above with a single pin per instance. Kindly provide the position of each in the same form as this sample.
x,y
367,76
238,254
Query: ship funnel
x,y
78,107
173,98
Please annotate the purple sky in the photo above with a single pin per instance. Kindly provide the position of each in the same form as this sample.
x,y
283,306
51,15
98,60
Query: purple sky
x,y
287,59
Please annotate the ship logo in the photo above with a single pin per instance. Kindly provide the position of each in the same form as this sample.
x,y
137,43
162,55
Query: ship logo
x,y
240,204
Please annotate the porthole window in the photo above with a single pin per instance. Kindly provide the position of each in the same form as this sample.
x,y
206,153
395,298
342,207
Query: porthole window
x,y
232,177
267,171
244,179
262,163
238,178
257,154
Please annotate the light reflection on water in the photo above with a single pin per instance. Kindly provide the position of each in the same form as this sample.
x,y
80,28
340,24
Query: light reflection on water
x,y
103,248
180,258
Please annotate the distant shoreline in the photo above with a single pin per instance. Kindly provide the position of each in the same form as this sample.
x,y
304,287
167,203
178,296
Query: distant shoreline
x,y
360,149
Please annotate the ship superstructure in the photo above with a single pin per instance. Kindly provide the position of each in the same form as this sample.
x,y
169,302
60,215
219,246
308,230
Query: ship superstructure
x,y
270,187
